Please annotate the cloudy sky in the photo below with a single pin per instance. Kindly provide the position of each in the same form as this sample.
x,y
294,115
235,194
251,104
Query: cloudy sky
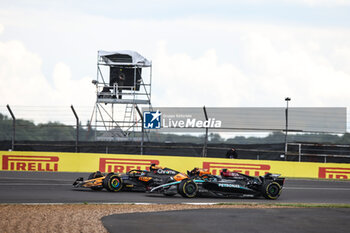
x,y
225,53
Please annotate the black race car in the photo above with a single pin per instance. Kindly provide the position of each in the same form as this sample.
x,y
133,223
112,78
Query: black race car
x,y
229,184
134,180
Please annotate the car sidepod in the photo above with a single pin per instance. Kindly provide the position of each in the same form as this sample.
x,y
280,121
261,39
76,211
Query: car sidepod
x,y
228,187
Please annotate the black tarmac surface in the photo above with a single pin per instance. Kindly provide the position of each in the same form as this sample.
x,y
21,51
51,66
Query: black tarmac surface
x,y
46,187
318,220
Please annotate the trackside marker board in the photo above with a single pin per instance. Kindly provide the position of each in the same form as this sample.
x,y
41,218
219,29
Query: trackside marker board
x,y
89,162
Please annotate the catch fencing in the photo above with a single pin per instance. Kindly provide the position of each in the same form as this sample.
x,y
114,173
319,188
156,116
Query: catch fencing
x,y
314,153
70,135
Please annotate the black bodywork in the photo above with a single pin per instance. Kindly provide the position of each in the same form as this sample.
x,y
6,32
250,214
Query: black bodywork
x,y
143,180
228,184
238,184
134,180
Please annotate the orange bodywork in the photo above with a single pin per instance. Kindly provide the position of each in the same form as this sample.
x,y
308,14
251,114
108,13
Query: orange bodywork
x,y
94,182
145,178
155,167
204,172
180,176
200,171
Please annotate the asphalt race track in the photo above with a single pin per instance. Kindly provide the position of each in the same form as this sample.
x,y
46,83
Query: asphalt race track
x,y
46,187
317,220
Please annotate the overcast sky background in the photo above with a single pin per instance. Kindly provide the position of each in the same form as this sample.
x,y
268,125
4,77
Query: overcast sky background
x,y
225,53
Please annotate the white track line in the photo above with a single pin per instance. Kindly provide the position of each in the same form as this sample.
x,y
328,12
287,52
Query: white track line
x,y
199,203
112,203
35,179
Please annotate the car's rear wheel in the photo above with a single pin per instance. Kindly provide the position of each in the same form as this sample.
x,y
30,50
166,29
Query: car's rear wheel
x,y
188,188
271,190
113,183
95,175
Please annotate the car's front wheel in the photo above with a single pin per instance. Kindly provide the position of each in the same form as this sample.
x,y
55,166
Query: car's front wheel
x,y
188,188
113,183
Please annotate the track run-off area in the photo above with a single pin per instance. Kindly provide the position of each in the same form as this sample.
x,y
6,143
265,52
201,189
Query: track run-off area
x,y
56,187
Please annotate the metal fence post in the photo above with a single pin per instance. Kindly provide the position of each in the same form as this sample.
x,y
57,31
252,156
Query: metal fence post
x,y
13,127
142,129
77,133
206,134
287,99
299,152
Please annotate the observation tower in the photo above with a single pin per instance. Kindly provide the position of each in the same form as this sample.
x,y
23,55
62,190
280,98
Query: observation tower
x,y
123,87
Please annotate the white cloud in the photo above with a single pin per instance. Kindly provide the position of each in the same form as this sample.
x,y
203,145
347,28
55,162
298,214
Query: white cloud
x,y
72,91
310,65
320,2
195,62
23,83
312,3
186,81
20,75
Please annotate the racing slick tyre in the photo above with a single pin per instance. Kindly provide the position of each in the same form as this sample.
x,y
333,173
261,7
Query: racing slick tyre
x,y
113,183
95,175
188,188
271,190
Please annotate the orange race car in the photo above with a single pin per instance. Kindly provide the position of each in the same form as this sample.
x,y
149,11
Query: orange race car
x,y
134,180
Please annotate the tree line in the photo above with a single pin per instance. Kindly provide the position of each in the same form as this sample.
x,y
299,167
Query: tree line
x,y
51,131
55,131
